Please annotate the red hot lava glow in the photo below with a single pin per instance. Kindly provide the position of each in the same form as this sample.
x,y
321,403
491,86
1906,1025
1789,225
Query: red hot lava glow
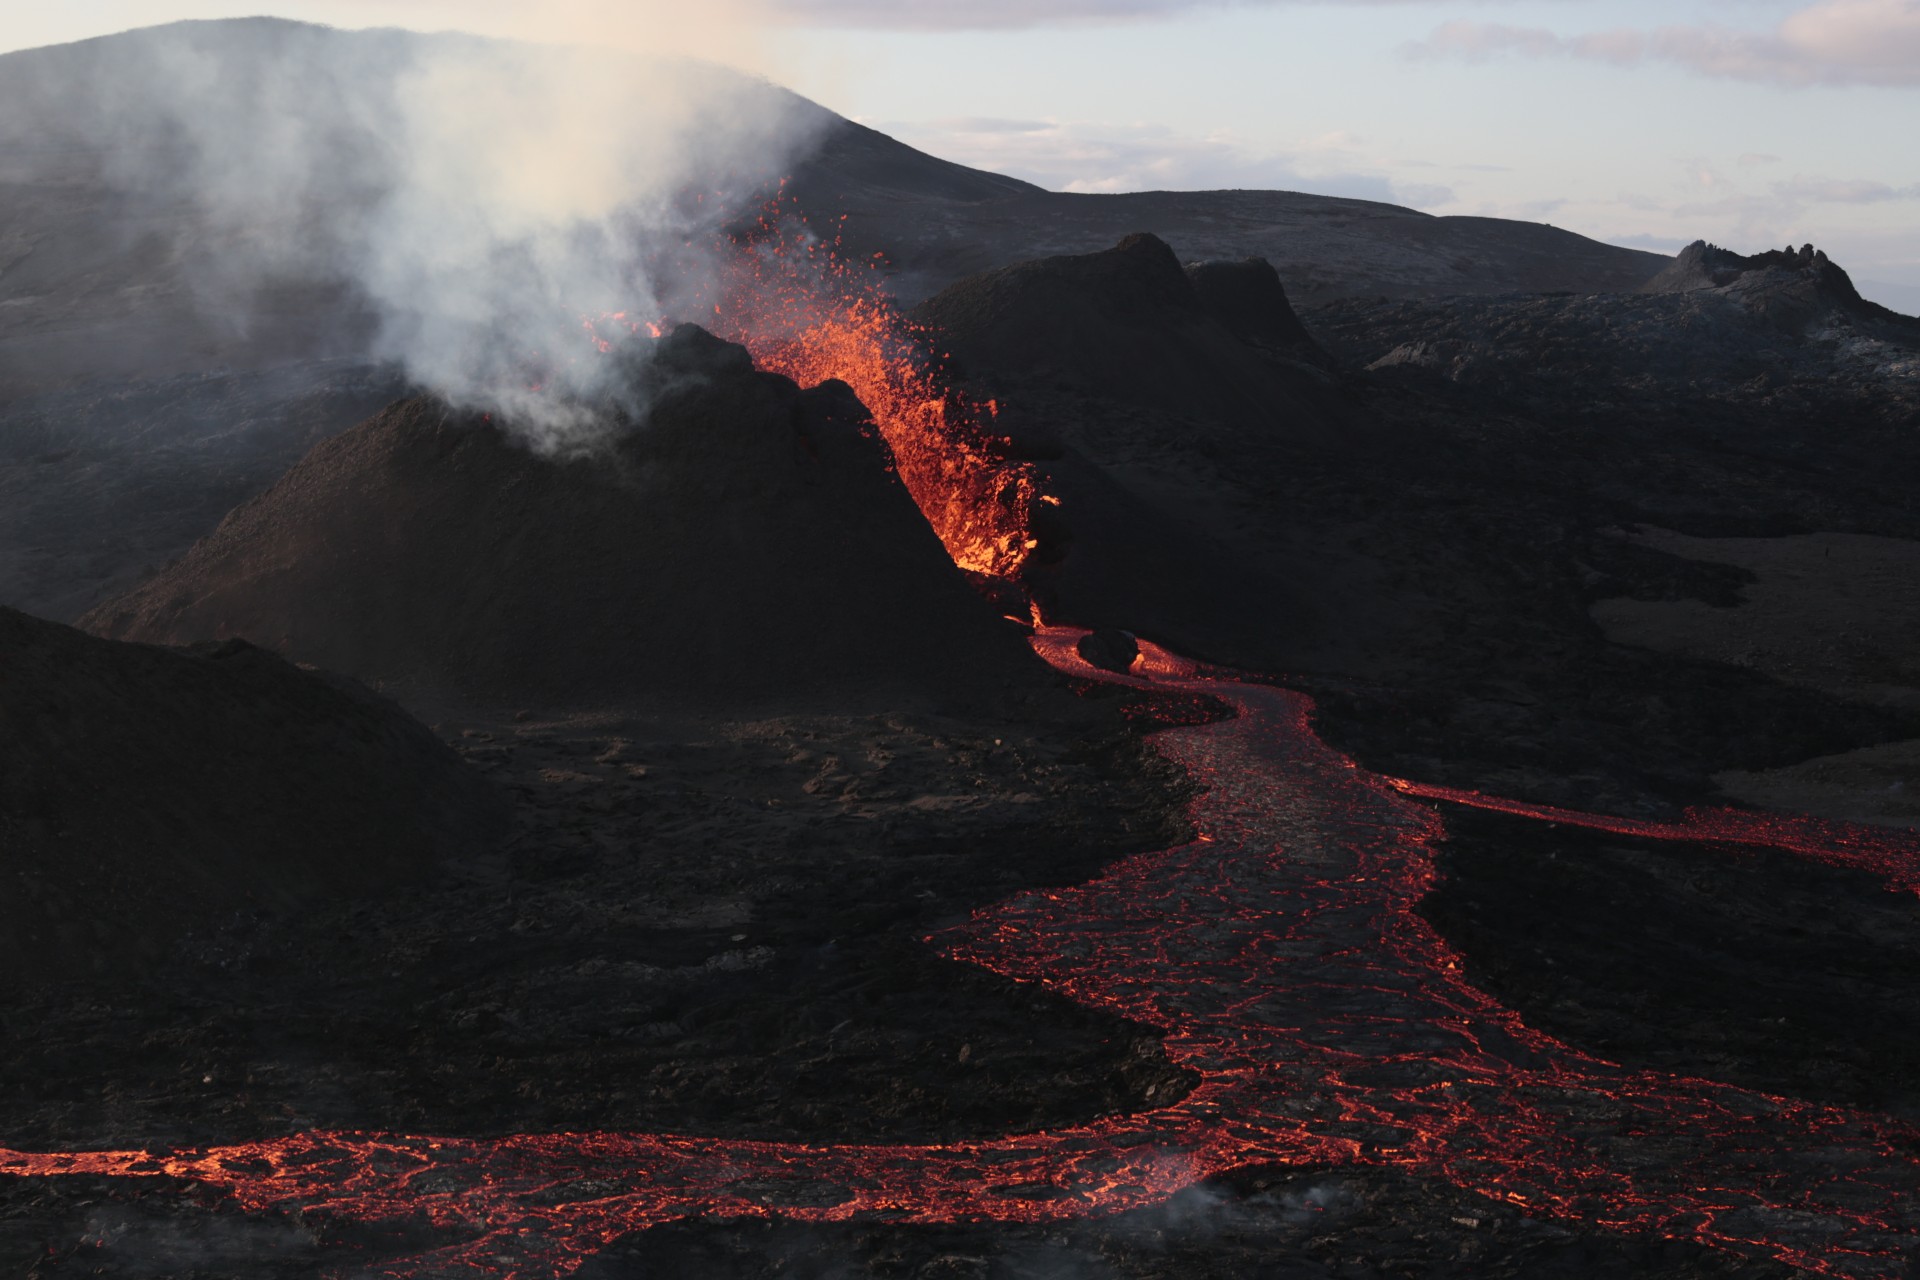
x,y
1281,957
805,311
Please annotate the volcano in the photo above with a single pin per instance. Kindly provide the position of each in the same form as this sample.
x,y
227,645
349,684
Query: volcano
x,y
747,541
145,793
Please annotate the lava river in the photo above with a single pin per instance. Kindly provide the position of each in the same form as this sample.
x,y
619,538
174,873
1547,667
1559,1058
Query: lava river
x,y
1281,956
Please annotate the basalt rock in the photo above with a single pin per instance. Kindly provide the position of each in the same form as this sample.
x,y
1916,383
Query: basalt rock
x,y
431,549
1109,648
1247,298
146,793
1129,378
1790,287
1128,323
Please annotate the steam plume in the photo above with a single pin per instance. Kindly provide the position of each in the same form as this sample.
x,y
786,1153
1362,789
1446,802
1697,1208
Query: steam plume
x,y
478,199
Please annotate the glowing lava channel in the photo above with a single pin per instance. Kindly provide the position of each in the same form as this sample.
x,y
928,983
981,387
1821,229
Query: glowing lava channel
x,y
1281,956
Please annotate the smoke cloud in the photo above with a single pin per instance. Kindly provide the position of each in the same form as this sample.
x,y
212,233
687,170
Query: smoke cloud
x,y
1831,42
477,200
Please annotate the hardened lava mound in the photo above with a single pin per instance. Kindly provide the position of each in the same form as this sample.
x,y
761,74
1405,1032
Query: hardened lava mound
x,y
145,793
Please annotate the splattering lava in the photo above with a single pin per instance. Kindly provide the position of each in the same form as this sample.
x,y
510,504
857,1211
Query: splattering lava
x,y
1281,956
793,298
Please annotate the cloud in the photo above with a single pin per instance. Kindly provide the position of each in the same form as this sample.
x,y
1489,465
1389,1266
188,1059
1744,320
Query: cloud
x,y
979,15
1843,191
1657,244
953,15
1106,158
1833,42
1784,201
990,124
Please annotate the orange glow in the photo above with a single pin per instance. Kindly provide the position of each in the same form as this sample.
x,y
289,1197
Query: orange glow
x,y
805,312
1281,957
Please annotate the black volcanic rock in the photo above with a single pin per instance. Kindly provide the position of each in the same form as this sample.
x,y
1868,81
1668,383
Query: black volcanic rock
x,y
1129,323
1129,379
1109,648
147,792
1717,339
1790,287
431,548
1247,298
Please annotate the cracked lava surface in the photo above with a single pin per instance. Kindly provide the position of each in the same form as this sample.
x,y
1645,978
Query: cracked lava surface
x,y
1281,956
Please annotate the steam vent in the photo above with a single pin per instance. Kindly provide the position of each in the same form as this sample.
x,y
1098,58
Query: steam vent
x,y
749,541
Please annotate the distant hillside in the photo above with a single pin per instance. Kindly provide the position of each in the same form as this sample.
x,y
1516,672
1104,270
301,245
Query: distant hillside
x,y
95,285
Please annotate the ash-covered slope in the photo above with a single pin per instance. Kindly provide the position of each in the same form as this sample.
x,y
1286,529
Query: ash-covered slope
x,y
748,543
146,793
1324,247
101,486
1125,380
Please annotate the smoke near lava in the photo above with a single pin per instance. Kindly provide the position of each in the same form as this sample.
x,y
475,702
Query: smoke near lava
x,y
474,198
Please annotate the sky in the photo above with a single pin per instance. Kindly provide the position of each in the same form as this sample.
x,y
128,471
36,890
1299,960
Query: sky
x,y
1750,123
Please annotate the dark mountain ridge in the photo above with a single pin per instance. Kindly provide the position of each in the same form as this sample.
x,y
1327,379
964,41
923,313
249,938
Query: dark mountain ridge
x,y
100,280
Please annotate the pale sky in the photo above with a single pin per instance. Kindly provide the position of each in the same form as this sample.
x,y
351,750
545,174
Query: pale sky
x,y
1751,123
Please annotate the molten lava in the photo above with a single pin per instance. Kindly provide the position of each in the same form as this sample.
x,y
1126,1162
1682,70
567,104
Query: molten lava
x,y
805,311
1281,956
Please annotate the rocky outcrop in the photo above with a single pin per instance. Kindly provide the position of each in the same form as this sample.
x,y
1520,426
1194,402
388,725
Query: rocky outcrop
x,y
1124,378
1790,287
1248,299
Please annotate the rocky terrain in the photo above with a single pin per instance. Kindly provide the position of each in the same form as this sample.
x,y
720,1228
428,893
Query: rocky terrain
x,y
107,483
149,794
1433,545
1524,513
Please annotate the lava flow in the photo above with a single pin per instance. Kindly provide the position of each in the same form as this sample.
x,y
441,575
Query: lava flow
x,y
804,310
1281,956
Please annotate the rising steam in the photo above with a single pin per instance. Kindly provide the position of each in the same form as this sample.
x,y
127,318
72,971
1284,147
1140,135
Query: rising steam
x,y
475,199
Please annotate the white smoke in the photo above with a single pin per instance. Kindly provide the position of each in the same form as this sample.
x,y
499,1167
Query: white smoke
x,y
477,199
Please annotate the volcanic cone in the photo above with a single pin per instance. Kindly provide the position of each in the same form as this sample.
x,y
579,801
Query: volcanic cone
x,y
1135,386
748,543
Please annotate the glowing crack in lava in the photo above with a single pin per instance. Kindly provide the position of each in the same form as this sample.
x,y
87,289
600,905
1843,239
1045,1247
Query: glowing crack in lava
x,y
1281,956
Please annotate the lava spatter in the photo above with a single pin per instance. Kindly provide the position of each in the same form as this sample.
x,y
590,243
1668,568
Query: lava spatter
x,y
1281,956
805,310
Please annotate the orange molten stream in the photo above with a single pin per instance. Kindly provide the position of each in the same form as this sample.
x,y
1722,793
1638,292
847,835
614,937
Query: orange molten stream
x,y
1280,956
